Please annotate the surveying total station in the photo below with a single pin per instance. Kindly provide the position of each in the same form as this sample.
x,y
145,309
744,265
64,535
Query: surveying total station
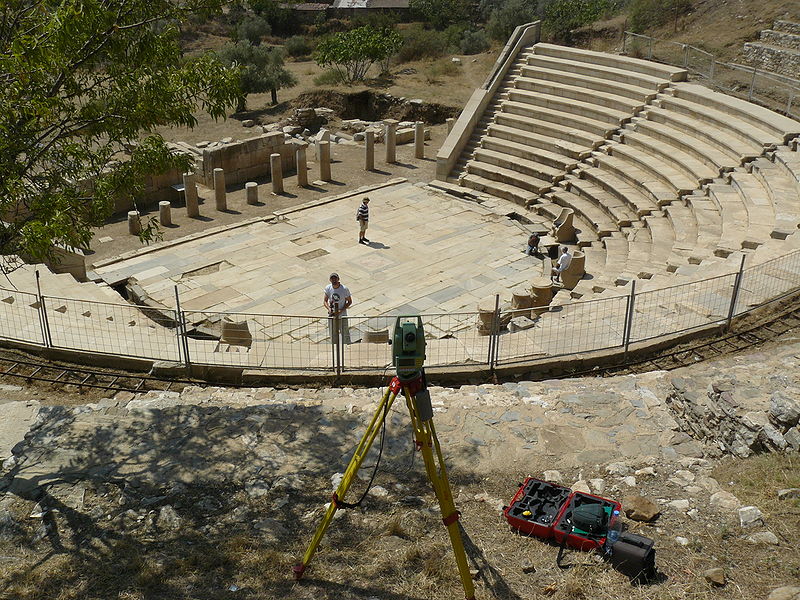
x,y
408,358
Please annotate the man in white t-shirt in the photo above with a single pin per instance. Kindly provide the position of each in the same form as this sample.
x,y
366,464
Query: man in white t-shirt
x,y
337,300
562,264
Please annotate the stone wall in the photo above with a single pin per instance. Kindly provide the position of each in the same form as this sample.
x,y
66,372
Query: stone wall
x,y
780,38
776,60
246,160
787,26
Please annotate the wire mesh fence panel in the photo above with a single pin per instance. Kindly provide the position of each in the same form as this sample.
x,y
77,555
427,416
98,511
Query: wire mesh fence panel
x,y
572,328
367,343
671,53
107,328
767,281
700,62
19,317
259,341
455,339
675,309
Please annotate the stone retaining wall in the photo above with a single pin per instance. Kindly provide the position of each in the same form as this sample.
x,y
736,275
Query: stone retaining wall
x,y
247,160
780,38
773,59
787,26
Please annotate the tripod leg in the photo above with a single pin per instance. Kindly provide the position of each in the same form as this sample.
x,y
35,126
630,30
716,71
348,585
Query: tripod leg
x,y
428,443
355,464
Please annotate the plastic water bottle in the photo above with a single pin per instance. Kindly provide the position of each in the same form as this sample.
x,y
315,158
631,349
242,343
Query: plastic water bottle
x,y
614,531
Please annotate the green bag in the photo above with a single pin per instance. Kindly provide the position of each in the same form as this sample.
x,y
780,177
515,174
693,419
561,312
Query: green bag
x,y
590,518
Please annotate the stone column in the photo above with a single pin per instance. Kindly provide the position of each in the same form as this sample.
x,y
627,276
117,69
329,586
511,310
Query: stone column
x,y
302,167
419,139
369,150
134,224
450,124
165,213
219,189
276,172
190,194
391,131
323,136
542,294
251,190
325,161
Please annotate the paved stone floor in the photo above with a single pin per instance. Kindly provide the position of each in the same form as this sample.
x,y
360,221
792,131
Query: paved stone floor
x,y
428,253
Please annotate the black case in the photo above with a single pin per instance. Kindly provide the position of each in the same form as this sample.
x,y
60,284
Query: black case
x,y
633,555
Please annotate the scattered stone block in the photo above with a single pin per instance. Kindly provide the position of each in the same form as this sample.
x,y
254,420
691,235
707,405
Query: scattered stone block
x,y
750,516
763,538
639,508
715,576
248,123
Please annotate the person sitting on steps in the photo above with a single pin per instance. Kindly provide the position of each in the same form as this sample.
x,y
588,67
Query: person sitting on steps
x,y
562,264
533,244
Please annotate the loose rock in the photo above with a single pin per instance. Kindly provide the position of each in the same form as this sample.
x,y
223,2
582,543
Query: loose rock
x,y
715,576
750,516
640,508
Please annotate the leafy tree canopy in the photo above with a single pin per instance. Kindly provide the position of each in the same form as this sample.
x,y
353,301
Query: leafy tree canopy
x,y
441,13
507,16
261,70
79,81
562,16
351,53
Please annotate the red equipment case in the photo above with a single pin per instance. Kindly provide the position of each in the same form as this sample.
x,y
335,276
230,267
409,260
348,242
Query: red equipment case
x,y
544,509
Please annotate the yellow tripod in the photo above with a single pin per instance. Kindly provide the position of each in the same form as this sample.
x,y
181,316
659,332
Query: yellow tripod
x,y
418,401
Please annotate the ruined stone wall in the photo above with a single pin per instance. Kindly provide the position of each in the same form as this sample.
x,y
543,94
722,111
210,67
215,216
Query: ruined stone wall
x,y
776,60
247,160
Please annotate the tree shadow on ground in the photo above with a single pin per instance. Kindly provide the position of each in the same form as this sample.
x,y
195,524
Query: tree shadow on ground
x,y
193,501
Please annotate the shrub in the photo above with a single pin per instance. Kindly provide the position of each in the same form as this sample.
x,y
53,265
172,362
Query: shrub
x,y
474,42
441,13
253,29
562,16
353,52
297,46
419,43
505,18
645,14
454,33
328,77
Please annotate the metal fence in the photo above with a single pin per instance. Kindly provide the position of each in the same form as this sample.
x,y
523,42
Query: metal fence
x,y
503,336
766,88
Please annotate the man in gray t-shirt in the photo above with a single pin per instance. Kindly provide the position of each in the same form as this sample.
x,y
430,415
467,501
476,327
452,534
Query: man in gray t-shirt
x,y
336,301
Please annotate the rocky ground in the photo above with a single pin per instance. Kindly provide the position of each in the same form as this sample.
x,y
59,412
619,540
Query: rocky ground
x,y
215,493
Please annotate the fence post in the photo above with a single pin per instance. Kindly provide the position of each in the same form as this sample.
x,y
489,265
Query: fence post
x,y
752,84
686,56
650,51
713,68
336,339
492,357
43,324
737,283
626,334
624,42
789,103
180,326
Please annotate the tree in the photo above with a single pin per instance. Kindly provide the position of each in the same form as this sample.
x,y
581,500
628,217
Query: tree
x,y
352,53
441,13
505,17
562,16
252,29
81,80
651,13
260,69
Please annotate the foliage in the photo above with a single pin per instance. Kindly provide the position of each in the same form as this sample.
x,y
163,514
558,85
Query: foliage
x,y
454,33
419,43
328,77
281,19
441,13
81,80
441,68
562,16
378,20
508,15
253,29
297,46
474,42
645,14
352,53
260,70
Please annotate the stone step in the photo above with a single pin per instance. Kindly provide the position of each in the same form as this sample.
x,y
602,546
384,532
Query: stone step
x,y
598,71
598,84
789,161
736,147
656,169
587,125
496,188
614,208
718,120
601,224
698,148
781,128
551,159
708,218
663,237
756,200
568,105
783,193
604,99
563,133
624,63
620,166
640,203
505,175
555,149
735,230
693,170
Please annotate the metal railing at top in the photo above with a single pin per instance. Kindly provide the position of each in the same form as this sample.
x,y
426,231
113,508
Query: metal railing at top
x,y
489,338
768,89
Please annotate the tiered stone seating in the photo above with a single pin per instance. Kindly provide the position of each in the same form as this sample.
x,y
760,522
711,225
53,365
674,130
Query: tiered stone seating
x,y
556,107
